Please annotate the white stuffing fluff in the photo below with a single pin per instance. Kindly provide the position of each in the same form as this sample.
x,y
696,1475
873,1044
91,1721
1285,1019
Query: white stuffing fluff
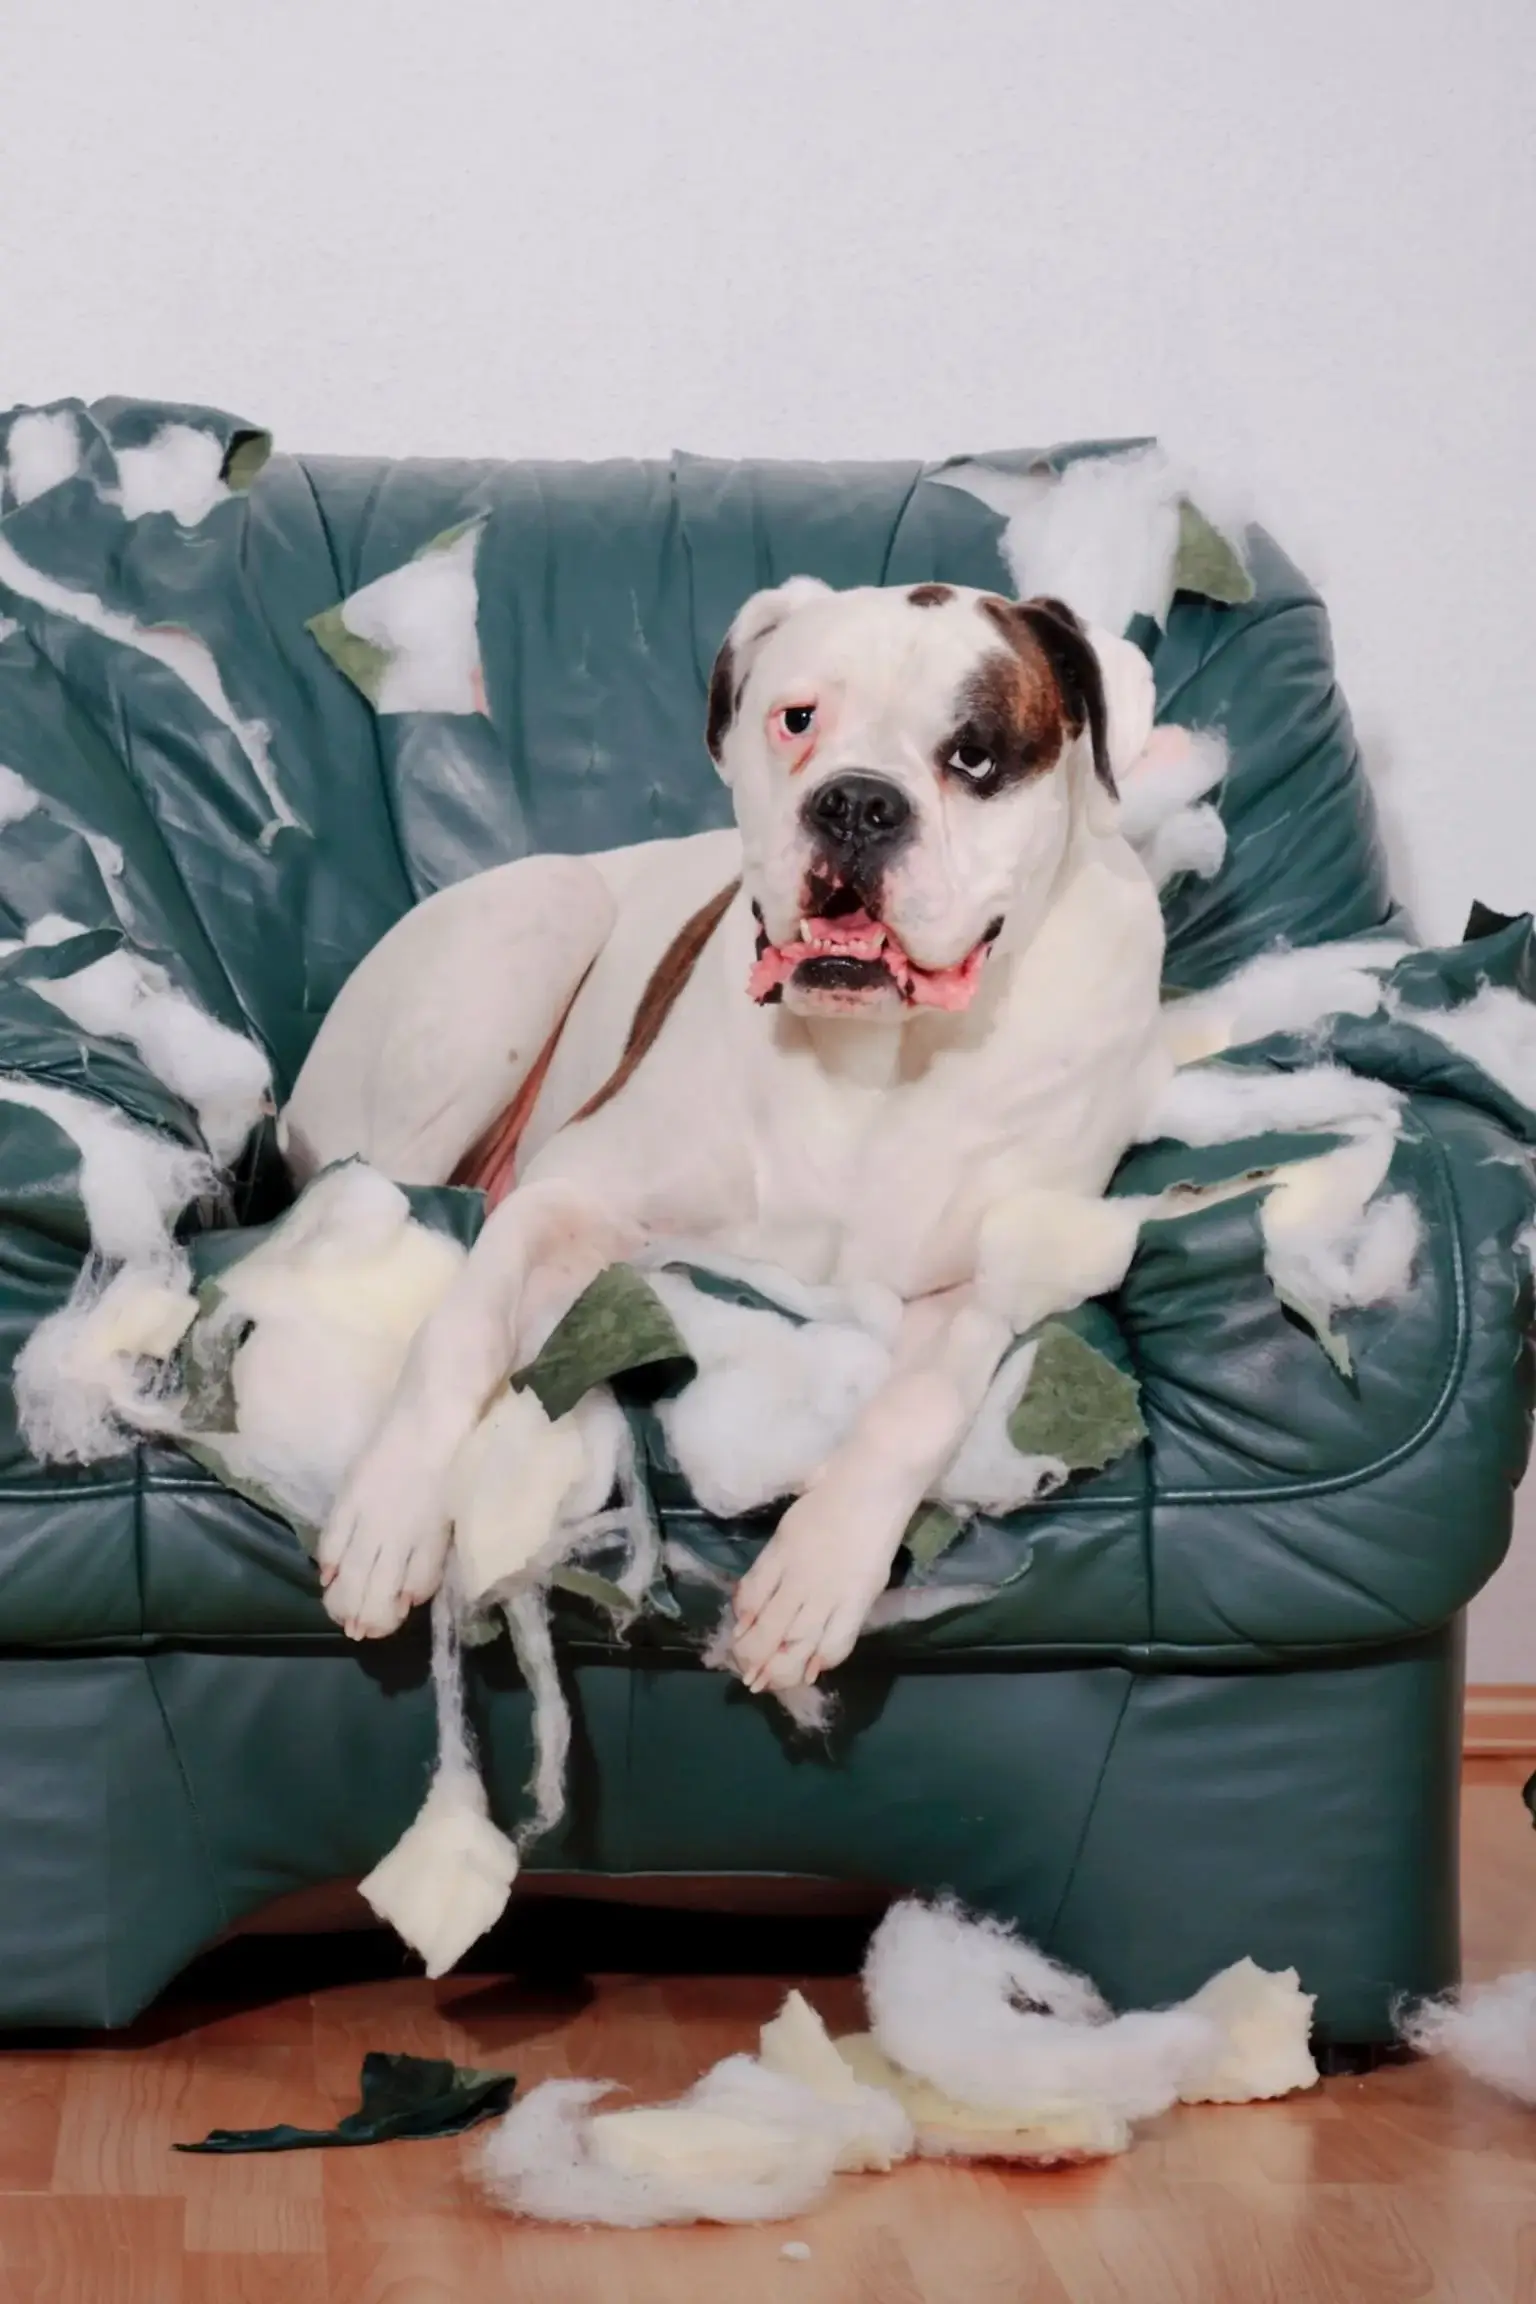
x,y
89,1380
42,453
1222,1103
770,1402
17,798
448,1879
609,1461
639,1522
1265,2026
1329,1245
760,2138
555,2158
133,1183
1488,2030
1164,813
1496,1030
79,1390
1282,991
1103,535
509,1485
865,2132
528,1622
111,864
336,1294
588,1520
178,471
944,1992
181,652
1177,767
223,1076
424,617
1195,840
876,2131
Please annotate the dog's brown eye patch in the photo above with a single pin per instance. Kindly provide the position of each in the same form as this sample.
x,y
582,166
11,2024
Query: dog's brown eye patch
x,y
930,595
1047,632
970,758
1008,727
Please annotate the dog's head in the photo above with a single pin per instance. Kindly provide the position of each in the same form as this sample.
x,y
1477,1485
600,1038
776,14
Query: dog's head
x,y
908,766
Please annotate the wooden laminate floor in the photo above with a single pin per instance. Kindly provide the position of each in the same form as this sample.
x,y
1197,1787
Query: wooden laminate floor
x,y
1408,2184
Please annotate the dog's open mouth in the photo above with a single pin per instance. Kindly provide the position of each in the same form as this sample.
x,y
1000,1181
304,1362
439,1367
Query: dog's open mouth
x,y
853,957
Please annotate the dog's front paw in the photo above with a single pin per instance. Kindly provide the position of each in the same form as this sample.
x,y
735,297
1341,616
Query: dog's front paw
x,y
387,1537
800,1607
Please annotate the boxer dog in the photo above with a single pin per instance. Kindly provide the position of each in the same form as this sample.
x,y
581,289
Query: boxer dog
x,y
899,1024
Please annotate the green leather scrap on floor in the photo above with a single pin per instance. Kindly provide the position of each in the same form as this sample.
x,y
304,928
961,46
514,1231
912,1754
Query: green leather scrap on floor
x,y
401,2096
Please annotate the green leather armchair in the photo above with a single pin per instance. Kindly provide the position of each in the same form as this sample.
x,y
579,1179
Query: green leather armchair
x,y
1213,1707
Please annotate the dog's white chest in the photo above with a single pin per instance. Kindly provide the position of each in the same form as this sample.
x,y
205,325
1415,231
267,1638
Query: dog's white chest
x,y
860,1173
842,1186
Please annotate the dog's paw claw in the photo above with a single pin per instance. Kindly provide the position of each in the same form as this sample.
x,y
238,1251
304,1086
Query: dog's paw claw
x,y
799,1609
385,1542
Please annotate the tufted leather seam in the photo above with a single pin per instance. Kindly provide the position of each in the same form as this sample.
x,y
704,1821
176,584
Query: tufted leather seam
x,y
1110,1743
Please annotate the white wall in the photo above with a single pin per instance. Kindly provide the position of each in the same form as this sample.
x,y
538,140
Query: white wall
x,y
1301,240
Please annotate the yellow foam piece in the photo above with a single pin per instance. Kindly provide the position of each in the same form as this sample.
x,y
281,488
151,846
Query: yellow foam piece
x,y
1045,2135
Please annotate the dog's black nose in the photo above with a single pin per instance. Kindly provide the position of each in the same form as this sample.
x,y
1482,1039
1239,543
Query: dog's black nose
x,y
858,812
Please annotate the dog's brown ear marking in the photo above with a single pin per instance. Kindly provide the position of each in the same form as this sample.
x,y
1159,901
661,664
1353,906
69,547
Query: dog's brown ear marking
x,y
1068,650
660,996
722,699
930,595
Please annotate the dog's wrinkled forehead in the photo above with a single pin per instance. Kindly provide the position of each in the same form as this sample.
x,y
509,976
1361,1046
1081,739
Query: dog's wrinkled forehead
x,y
941,666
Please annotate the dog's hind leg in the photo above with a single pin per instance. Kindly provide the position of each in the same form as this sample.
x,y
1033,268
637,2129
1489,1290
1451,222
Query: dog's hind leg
x,y
432,1037
385,1543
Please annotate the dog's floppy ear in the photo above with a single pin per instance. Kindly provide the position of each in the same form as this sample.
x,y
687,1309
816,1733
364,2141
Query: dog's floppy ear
x,y
762,614
1107,688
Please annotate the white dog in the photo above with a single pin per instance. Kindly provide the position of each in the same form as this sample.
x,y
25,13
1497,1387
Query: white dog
x,y
900,1024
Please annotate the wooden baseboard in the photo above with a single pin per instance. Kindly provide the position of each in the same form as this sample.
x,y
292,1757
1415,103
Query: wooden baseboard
x,y
1501,1718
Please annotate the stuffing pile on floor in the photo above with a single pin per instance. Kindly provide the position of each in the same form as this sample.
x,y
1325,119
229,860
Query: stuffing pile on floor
x,y
1487,2030
979,2048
